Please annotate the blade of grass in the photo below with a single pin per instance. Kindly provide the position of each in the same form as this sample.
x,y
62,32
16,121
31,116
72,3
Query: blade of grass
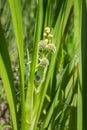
x,y
77,40
48,10
70,88
84,61
7,78
16,13
30,90
54,103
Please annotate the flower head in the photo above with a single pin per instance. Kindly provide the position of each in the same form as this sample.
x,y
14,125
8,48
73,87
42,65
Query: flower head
x,y
42,44
44,62
51,48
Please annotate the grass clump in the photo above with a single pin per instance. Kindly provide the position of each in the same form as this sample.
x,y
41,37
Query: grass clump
x,y
47,74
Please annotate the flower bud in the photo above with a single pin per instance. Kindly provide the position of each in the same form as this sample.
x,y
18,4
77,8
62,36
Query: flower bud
x,y
50,35
47,30
45,34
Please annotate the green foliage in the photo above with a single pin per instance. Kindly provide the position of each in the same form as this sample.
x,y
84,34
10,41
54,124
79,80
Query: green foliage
x,y
50,96
7,77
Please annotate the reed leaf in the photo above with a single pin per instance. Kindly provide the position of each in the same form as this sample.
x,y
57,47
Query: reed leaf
x,y
77,40
16,13
7,78
30,90
83,49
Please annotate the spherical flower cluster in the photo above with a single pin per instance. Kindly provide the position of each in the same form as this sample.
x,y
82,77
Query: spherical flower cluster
x,y
47,33
47,46
46,43
44,62
42,44
51,48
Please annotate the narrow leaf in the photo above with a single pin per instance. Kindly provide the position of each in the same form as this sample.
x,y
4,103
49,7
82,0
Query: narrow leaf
x,y
7,77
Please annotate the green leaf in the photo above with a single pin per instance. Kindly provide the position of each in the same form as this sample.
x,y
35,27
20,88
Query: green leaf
x,y
16,12
7,77
54,103
77,40
83,64
30,90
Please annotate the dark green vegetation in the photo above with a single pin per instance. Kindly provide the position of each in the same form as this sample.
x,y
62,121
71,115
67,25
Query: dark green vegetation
x,y
42,64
